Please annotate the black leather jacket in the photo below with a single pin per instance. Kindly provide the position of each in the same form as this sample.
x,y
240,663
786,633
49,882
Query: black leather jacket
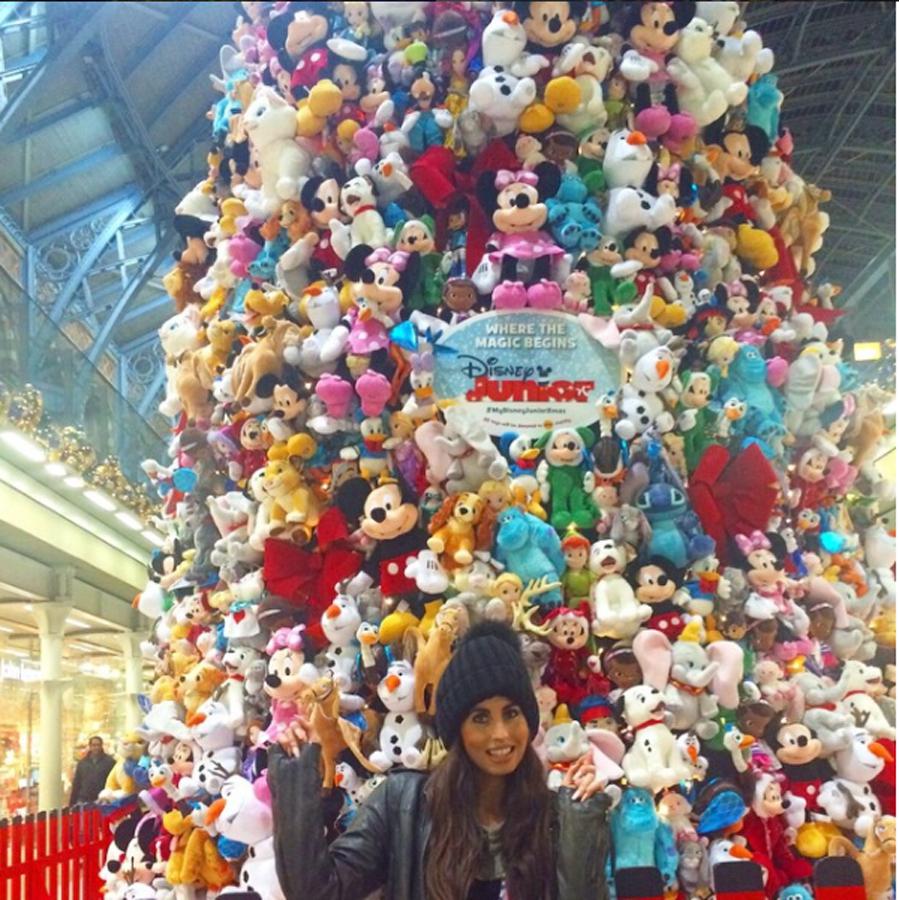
x,y
385,845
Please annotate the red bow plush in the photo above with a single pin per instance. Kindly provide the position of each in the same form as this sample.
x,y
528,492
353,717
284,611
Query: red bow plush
x,y
733,496
436,174
307,578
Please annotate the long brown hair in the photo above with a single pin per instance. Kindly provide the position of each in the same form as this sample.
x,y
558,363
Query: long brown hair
x,y
527,835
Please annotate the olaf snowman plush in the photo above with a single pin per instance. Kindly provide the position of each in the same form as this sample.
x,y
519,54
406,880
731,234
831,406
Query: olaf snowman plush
x,y
641,404
848,798
628,159
339,624
402,734
244,813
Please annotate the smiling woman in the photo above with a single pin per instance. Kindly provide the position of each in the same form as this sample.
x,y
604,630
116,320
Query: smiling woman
x,y
483,823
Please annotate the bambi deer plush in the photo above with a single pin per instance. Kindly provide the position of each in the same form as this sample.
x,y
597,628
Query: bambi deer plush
x,y
335,734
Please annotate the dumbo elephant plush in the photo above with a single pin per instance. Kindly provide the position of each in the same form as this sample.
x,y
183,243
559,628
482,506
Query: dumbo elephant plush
x,y
695,680
460,452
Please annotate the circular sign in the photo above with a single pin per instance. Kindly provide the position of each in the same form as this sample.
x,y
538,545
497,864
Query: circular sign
x,y
519,370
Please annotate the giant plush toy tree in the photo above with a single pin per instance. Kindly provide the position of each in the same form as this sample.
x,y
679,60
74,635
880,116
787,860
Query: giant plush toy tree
x,y
513,314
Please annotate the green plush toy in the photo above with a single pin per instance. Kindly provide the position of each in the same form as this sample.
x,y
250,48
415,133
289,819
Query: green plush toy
x,y
417,236
607,290
696,419
566,482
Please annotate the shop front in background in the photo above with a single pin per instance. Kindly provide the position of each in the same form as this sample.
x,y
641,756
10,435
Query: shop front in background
x,y
91,706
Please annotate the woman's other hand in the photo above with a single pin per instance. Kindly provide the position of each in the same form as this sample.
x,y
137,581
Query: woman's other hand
x,y
296,736
582,778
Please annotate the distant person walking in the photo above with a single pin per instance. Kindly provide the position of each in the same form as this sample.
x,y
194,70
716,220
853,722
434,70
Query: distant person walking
x,y
91,773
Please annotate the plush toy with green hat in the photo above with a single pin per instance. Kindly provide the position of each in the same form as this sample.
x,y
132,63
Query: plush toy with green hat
x,y
565,478
697,419
417,236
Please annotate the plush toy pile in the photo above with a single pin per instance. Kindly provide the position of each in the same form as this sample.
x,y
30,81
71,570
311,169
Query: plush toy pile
x,y
696,559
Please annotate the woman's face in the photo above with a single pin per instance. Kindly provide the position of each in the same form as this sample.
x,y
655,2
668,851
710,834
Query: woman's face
x,y
495,736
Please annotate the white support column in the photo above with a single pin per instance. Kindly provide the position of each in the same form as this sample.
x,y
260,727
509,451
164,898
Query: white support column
x,y
51,619
134,677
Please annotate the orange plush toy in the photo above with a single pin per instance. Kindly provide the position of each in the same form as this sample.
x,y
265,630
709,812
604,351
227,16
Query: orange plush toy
x,y
453,529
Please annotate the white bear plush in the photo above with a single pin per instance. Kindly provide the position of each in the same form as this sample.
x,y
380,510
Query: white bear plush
x,y
501,97
631,208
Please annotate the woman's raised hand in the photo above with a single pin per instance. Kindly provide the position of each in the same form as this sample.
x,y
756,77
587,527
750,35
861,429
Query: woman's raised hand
x,y
581,776
296,735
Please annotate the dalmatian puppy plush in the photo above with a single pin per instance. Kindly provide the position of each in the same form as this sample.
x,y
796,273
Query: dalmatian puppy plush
x,y
359,202
653,760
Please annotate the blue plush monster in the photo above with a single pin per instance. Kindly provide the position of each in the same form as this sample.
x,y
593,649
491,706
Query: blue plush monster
x,y
795,892
573,217
764,105
530,549
640,838
747,380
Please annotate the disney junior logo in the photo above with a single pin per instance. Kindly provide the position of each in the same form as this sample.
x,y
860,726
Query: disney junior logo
x,y
476,367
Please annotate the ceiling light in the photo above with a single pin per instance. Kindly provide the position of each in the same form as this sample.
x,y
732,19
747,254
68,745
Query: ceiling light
x,y
129,521
6,629
24,446
154,537
100,500
14,651
74,481
867,351
56,469
77,623
28,607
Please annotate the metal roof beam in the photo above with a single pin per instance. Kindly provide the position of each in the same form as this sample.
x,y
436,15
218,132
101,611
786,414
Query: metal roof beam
x,y
155,305
58,176
152,391
81,215
138,343
48,120
92,254
63,52
7,11
142,52
140,278
23,64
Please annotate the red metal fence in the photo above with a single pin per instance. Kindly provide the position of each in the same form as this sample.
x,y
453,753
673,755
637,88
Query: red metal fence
x,y
55,855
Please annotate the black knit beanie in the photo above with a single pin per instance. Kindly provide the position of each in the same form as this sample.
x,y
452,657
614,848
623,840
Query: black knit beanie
x,y
486,663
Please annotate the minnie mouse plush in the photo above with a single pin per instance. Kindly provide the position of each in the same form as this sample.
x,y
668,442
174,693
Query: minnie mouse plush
x,y
520,248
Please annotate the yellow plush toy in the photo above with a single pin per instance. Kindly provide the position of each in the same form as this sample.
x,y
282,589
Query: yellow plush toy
x,y
756,247
324,100
198,684
194,858
292,506
119,784
561,97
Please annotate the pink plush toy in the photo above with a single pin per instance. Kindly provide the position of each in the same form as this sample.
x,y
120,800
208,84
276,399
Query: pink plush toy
x,y
288,676
374,390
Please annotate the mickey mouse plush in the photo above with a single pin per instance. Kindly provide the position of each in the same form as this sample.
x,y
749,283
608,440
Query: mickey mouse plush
x,y
388,516
550,25
321,197
516,203
798,749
